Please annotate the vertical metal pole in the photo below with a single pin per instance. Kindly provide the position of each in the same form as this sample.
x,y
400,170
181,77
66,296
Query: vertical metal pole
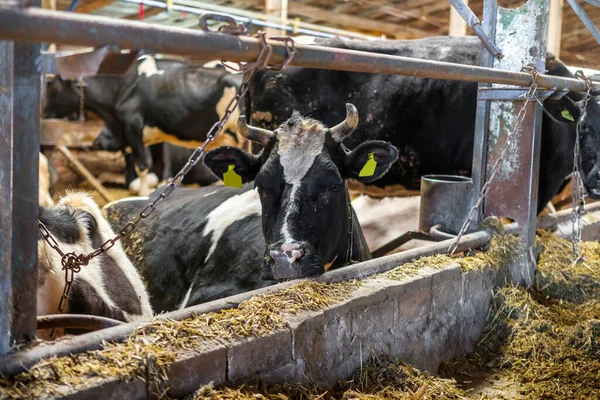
x,y
482,119
20,67
522,34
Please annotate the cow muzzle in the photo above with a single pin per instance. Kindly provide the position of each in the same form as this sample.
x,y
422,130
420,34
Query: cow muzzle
x,y
291,261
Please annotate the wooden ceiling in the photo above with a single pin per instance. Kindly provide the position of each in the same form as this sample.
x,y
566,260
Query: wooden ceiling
x,y
402,19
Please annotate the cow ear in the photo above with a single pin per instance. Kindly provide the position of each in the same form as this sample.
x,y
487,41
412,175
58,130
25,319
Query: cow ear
x,y
370,161
563,110
219,161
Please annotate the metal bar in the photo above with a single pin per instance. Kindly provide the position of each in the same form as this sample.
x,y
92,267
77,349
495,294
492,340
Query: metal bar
x,y
490,93
482,114
465,12
399,241
587,21
595,3
19,151
73,321
514,192
36,25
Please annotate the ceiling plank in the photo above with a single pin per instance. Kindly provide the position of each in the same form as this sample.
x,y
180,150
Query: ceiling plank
x,y
90,6
351,21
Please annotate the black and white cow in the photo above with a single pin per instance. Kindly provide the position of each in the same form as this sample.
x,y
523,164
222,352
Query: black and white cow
x,y
297,221
430,121
155,101
109,286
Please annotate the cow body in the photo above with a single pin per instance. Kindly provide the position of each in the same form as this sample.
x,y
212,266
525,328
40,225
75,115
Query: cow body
x,y
200,245
174,101
109,286
430,122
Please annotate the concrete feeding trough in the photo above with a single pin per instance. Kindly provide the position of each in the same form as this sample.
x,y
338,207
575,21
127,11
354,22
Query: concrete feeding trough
x,y
422,316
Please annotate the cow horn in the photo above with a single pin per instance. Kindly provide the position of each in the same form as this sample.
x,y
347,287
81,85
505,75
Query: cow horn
x,y
254,134
342,130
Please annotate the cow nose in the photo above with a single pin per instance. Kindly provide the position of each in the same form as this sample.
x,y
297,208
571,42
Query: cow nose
x,y
292,252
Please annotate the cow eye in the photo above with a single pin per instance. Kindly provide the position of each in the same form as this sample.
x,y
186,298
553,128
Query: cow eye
x,y
333,187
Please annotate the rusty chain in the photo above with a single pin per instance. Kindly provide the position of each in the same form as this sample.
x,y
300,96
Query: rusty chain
x,y
71,262
578,190
529,97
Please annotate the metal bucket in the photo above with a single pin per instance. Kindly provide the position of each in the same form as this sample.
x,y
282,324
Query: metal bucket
x,y
445,201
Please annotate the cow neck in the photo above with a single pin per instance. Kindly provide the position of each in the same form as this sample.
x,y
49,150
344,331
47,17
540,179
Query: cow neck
x,y
101,95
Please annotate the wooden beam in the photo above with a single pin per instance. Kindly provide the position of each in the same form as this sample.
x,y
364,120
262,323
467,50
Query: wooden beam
x,y
93,5
457,26
275,8
353,22
85,173
148,12
555,26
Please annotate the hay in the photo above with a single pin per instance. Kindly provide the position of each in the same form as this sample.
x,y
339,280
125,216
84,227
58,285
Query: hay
x,y
559,276
379,379
546,342
502,249
149,351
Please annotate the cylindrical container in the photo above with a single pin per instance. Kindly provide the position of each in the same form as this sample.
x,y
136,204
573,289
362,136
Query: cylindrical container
x,y
445,200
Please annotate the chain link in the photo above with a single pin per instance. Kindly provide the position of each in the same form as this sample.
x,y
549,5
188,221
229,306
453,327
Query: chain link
x,y
529,97
578,190
71,262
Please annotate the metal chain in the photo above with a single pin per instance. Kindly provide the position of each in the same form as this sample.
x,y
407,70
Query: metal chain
x,y
578,190
72,262
81,101
529,97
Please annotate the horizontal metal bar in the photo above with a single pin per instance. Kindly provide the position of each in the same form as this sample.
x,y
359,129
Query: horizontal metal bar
x,y
36,25
491,93
73,321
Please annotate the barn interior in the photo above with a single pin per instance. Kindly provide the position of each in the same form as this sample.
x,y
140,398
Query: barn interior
x,y
511,312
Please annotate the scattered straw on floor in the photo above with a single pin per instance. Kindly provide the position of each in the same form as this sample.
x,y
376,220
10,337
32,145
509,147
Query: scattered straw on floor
x,y
148,352
379,379
545,342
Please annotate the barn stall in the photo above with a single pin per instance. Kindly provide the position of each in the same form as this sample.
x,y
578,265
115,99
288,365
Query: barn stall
x,y
422,312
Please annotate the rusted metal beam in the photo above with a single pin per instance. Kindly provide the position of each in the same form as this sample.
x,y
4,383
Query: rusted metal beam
x,y
19,152
35,25
514,192
587,21
465,12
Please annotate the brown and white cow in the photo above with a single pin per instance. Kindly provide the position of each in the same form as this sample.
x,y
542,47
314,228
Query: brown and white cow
x,y
109,286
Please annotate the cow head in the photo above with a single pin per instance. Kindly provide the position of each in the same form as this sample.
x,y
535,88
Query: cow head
x,y
62,99
300,177
107,140
588,122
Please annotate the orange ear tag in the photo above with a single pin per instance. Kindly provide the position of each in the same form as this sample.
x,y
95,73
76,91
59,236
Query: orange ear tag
x,y
231,178
369,167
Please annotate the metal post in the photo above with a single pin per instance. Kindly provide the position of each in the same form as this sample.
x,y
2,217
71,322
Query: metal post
x,y
522,34
19,152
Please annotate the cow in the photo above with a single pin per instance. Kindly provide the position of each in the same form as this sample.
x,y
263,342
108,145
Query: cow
x,y
295,220
166,160
109,286
430,121
175,102
47,179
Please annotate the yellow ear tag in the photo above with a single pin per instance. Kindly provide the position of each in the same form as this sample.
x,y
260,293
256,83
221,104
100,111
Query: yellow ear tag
x,y
231,178
567,115
369,168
